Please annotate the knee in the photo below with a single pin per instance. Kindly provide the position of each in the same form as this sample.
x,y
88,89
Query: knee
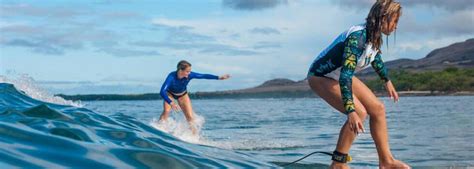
x,y
362,114
378,110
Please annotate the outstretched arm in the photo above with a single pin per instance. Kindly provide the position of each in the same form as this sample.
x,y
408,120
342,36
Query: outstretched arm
x,y
195,75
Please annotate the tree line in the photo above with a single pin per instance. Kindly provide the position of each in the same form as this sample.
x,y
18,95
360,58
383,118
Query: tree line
x,y
448,80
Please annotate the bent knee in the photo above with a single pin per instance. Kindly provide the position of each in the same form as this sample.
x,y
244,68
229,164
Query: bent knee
x,y
362,114
378,110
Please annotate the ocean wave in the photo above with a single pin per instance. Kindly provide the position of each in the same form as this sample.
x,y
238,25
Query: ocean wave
x,y
37,134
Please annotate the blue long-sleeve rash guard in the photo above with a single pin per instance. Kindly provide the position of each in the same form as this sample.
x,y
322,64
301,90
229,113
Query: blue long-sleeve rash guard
x,y
174,85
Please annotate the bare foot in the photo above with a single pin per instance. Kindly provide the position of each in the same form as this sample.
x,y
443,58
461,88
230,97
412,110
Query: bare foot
x,y
194,131
193,128
163,119
394,164
337,165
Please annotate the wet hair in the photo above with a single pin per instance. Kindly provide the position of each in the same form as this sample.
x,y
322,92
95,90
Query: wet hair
x,y
182,65
380,13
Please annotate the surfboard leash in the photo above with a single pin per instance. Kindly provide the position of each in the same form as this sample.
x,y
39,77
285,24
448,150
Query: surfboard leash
x,y
336,156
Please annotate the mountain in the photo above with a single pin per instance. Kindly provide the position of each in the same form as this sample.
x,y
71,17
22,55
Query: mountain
x,y
272,88
278,85
459,55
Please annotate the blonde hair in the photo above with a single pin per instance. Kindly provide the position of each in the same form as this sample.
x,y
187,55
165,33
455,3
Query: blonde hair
x,y
380,13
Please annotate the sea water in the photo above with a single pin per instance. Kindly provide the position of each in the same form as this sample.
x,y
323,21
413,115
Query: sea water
x,y
38,130
424,131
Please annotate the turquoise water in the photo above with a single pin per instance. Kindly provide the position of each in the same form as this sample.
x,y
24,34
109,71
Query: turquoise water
x,y
234,133
36,134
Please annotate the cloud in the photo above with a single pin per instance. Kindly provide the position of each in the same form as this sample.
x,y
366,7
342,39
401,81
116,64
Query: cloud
x,y
41,46
252,4
171,24
453,5
460,23
428,44
456,18
264,30
202,47
178,32
120,16
455,24
225,50
128,52
60,30
266,45
15,10
169,45
20,29
355,4
181,36
221,68
51,40
235,36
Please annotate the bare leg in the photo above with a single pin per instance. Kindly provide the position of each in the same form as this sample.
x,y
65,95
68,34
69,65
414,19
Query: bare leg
x,y
166,110
378,124
328,89
365,102
185,104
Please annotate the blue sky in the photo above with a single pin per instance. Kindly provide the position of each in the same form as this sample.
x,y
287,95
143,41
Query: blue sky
x,y
129,46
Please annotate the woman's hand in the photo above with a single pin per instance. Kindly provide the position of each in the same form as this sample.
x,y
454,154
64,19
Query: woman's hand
x,y
355,124
223,77
175,107
392,93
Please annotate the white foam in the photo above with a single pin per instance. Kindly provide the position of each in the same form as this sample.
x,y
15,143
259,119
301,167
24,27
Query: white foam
x,y
29,86
177,126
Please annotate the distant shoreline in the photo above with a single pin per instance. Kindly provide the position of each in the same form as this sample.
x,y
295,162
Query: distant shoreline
x,y
446,71
449,82
429,93
229,95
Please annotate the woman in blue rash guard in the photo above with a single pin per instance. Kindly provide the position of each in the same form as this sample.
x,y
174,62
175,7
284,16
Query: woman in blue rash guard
x,y
175,87
331,76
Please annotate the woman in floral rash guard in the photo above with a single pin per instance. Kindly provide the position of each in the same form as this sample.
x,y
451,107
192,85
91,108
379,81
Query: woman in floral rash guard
x,y
331,76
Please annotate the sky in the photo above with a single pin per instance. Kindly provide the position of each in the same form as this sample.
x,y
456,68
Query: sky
x,y
130,46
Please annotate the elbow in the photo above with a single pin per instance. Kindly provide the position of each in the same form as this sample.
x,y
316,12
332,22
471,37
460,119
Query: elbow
x,y
163,94
343,81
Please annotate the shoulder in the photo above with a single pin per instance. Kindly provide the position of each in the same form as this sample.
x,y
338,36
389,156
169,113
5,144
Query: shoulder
x,y
172,74
194,73
357,38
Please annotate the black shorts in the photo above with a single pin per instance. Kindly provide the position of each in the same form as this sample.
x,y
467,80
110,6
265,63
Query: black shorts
x,y
177,96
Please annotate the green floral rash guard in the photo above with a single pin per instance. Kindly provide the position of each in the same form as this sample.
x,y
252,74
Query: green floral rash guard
x,y
348,54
